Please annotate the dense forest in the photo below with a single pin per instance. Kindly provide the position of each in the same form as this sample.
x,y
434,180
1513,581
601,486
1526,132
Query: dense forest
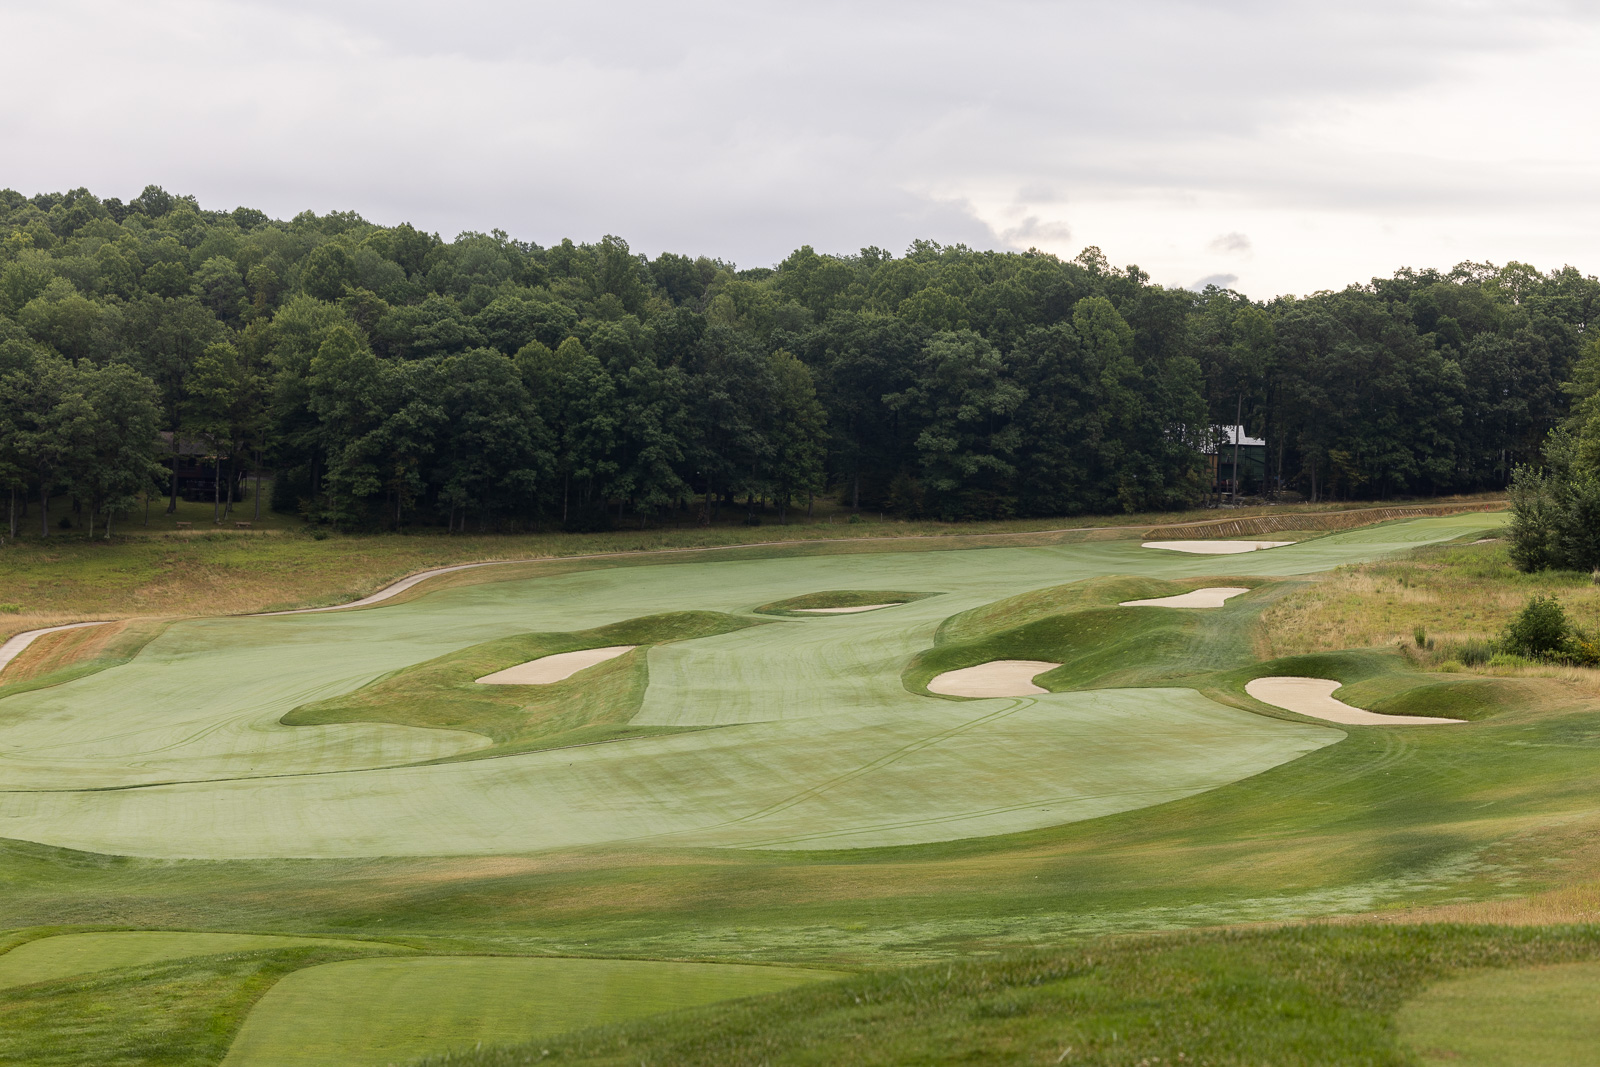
x,y
390,378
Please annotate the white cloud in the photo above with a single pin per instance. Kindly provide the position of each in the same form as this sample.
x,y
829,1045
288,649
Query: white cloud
x,y
1345,141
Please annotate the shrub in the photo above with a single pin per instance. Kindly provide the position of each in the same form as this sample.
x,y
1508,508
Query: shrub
x,y
1474,653
1419,634
10,609
1540,630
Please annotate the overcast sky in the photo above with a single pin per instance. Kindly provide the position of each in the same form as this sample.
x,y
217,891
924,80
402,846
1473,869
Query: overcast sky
x,y
1278,147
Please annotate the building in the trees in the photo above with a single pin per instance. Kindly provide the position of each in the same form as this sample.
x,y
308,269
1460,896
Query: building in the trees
x,y
1252,453
195,464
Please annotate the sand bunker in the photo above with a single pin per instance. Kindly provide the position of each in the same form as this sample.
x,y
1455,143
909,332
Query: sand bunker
x,y
554,668
843,611
997,678
1314,697
1215,548
1195,598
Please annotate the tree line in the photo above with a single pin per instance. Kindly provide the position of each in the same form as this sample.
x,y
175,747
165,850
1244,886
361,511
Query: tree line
x,y
389,378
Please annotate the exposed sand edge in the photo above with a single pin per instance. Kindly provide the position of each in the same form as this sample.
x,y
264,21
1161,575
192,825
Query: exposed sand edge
x,y
1212,597
1215,548
997,678
845,611
1314,697
14,647
556,668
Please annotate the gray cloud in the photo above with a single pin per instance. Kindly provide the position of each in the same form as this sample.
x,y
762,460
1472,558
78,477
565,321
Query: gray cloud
x,y
1031,230
746,129
1230,242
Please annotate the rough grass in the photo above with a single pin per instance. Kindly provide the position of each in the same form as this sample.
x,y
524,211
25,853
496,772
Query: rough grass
x,y
594,705
1457,596
1288,997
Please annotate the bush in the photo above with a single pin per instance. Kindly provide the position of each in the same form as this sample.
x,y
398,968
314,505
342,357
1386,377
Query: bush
x,y
10,609
1540,630
1474,653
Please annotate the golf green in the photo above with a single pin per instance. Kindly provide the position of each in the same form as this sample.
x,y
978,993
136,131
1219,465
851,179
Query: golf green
x,y
812,740
368,1013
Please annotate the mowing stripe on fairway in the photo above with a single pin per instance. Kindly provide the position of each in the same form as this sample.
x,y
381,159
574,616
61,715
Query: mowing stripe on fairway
x,y
66,955
369,1013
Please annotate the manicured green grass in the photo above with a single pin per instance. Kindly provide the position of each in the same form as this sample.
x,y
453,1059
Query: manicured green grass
x,y
65,955
1548,1015
822,750
372,1012
1289,998
595,705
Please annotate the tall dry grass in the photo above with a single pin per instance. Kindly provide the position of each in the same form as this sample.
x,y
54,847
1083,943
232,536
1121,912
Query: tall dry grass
x,y
1455,595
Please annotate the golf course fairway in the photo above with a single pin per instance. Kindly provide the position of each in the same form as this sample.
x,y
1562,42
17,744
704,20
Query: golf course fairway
x,y
373,1012
802,732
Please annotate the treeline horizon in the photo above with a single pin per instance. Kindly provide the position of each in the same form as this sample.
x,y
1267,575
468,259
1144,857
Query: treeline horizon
x,y
390,378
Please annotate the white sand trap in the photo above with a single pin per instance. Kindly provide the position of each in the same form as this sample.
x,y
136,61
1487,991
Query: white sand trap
x,y
1195,598
997,678
554,668
1314,697
1215,548
843,611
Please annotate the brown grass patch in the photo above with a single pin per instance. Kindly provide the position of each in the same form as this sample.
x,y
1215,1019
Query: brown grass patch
x,y
54,652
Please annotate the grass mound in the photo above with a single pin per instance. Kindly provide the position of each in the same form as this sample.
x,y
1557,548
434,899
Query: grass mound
x,y
594,705
1098,644
839,598
1383,681
1038,604
1099,647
